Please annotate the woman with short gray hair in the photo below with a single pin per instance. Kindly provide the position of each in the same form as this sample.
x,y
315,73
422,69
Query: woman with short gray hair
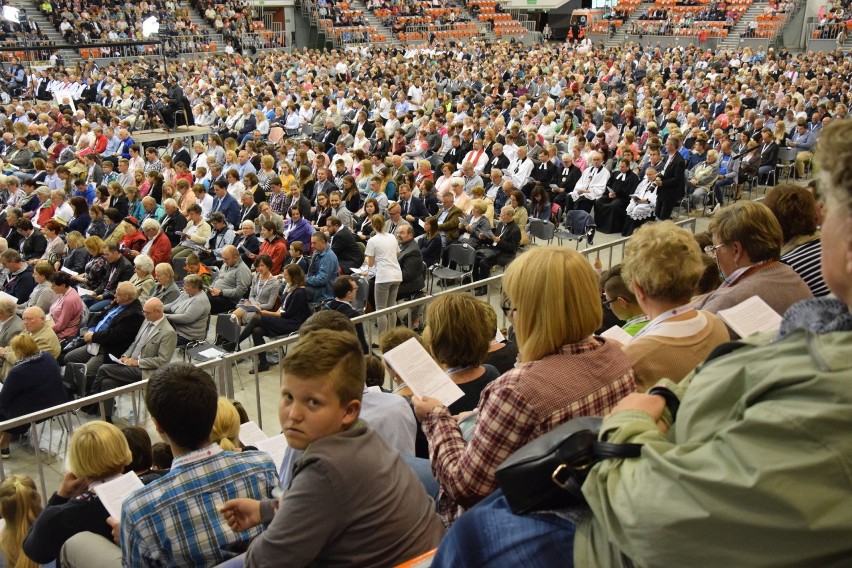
x,y
142,279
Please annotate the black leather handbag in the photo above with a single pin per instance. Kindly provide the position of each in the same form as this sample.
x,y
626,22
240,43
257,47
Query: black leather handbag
x,y
548,472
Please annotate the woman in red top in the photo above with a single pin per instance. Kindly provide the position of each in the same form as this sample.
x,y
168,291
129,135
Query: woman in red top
x,y
133,241
273,244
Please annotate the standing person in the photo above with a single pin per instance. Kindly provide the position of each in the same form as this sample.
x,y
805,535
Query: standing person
x,y
670,180
381,253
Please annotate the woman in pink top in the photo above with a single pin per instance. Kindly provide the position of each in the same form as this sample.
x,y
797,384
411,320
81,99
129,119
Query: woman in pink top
x,y
67,308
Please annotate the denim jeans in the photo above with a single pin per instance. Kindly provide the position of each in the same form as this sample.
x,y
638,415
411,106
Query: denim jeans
x,y
490,536
423,469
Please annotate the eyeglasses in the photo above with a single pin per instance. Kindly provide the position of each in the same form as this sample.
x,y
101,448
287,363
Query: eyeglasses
x,y
608,303
711,249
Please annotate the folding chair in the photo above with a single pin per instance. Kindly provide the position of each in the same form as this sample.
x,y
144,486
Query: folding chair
x,y
228,329
579,225
463,256
544,230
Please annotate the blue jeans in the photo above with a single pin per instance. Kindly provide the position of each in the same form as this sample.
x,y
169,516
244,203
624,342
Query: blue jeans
x,y
490,536
423,469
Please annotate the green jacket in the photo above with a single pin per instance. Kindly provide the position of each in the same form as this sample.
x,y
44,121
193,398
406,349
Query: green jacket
x,y
756,471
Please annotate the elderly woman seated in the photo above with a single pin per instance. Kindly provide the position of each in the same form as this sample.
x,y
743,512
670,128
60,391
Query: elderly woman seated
x,y
34,383
662,266
142,279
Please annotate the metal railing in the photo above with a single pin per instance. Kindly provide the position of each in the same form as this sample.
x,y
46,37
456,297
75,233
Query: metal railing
x,y
264,40
221,369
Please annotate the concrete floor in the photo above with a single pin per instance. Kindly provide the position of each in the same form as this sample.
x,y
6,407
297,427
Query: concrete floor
x,y
23,460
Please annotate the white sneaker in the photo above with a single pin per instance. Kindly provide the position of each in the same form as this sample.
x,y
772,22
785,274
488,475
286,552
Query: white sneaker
x,y
716,208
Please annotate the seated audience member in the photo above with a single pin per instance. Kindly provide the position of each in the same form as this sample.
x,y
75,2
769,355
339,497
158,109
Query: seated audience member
x,y
344,245
142,279
795,208
430,243
152,348
42,295
10,324
226,427
20,505
20,280
111,333
343,502
35,326
411,263
118,270
565,372
196,267
263,292
165,288
345,289
747,420
662,265
66,310
194,235
621,301
141,451
161,454
182,401
273,245
322,271
77,256
500,249
98,452
701,179
230,283
158,246
190,312
293,313
502,351
747,243
33,383
33,243
611,208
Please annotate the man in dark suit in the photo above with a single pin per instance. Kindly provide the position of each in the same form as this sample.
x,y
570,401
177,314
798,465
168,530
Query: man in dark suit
x,y
33,243
113,332
768,155
179,153
225,203
173,223
498,250
671,180
498,160
413,209
345,289
329,135
344,245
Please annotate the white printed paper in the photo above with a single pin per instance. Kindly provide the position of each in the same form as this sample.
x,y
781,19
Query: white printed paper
x,y
69,271
421,373
211,353
274,447
617,334
84,292
250,434
751,316
115,492
115,359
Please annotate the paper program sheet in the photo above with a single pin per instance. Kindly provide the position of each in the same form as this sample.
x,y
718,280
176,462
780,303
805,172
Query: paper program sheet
x,y
751,316
115,492
421,373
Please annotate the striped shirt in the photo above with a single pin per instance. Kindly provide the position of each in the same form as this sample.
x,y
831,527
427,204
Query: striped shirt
x,y
583,379
175,520
805,261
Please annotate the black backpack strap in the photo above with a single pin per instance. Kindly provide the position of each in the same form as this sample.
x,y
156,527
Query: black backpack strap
x,y
672,401
606,450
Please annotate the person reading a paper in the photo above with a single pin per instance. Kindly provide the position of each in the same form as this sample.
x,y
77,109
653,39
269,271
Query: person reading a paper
x,y
352,499
98,452
747,243
758,455
662,266
565,372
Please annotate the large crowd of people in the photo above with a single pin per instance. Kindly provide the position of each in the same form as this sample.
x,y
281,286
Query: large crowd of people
x,y
330,181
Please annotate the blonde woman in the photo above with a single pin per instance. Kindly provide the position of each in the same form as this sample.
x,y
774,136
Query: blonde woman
x,y
226,427
98,452
20,506
285,173
364,177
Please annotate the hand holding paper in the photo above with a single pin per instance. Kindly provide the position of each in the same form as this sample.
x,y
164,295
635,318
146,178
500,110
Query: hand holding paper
x,y
421,373
115,492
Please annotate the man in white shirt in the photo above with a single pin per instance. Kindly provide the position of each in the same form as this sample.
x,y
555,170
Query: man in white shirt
x,y
477,157
591,185
519,172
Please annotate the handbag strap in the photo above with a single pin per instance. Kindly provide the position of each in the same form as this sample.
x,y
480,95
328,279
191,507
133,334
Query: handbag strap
x,y
672,401
607,450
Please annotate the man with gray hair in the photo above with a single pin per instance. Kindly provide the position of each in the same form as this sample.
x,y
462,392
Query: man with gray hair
x,y
10,324
151,349
111,334
189,313
500,249
158,246
35,325
19,281
231,282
